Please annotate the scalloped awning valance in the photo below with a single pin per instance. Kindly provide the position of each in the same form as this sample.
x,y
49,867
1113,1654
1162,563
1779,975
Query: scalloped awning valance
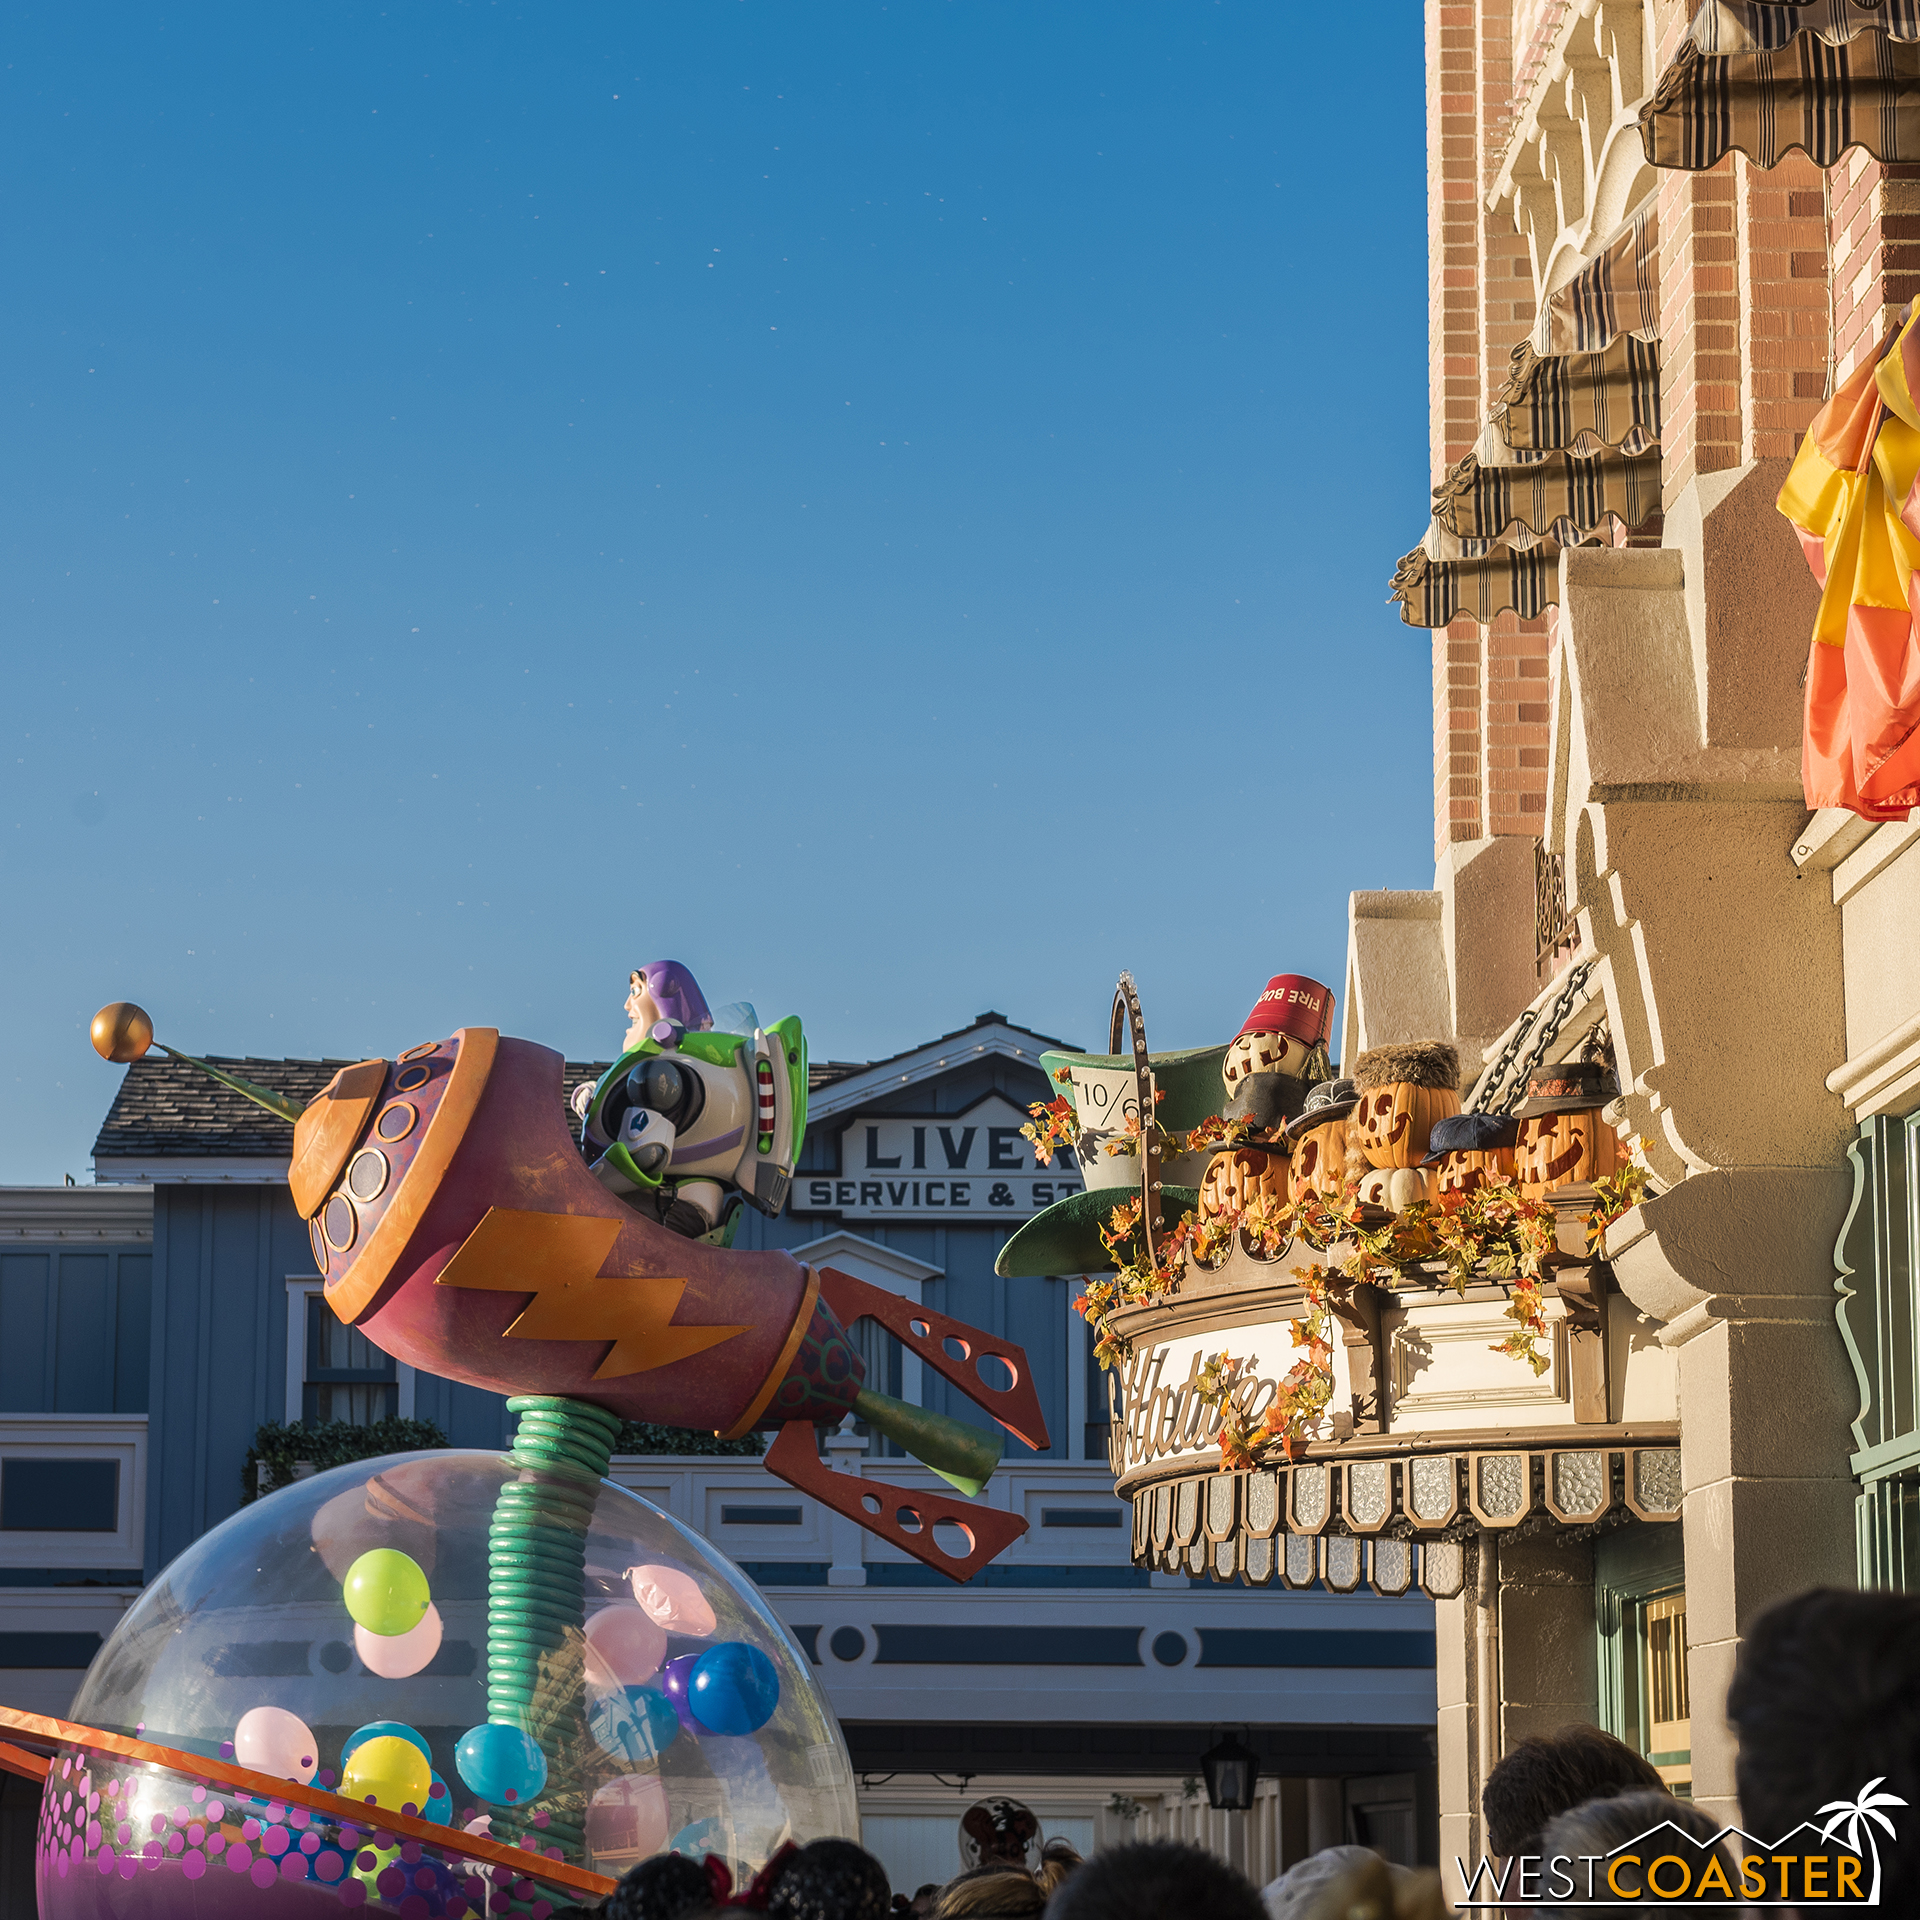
x,y
1763,80
1433,592
1582,401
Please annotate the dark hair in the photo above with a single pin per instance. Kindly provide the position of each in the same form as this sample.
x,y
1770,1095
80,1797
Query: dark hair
x,y
1600,1826
661,1887
1553,1773
1826,1698
1156,1880
831,1880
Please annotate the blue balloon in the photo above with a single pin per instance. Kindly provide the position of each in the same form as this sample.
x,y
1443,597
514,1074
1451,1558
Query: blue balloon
x,y
733,1688
675,1678
500,1764
633,1723
439,1807
384,1729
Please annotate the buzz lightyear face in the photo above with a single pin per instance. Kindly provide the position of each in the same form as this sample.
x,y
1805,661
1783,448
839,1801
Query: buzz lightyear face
x,y
642,1009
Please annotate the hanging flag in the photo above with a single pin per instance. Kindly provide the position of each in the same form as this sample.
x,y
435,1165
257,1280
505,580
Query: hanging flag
x,y
1851,496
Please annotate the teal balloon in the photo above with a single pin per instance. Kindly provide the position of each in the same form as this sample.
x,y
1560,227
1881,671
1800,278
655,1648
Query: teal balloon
x,y
733,1688
384,1729
633,1724
439,1807
501,1764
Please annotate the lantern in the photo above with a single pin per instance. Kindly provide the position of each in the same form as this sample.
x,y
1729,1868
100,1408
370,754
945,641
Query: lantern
x,y
1319,1162
1235,1179
1465,1173
1557,1149
1231,1767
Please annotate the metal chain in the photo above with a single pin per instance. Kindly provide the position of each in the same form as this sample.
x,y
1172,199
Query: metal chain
x,y
1502,1085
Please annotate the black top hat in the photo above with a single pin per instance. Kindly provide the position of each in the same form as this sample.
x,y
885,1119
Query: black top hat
x,y
1330,1100
1568,1086
1469,1133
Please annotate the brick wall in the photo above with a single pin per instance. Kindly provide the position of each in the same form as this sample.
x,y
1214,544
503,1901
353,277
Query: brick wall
x,y
1875,227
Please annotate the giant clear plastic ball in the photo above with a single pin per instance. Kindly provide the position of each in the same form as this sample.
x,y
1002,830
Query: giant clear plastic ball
x,y
255,1615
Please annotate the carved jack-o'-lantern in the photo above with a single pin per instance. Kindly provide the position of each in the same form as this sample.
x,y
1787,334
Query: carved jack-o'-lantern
x,y
1557,1149
1319,1163
1234,1180
1263,1053
1395,1187
1393,1121
1468,1172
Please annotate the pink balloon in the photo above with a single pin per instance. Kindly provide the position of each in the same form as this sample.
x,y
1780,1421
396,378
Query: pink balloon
x,y
393,1656
272,1740
673,1599
625,1645
628,1817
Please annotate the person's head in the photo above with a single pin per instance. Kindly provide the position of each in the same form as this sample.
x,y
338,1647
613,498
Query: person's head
x,y
1552,1773
1600,1826
831,1880
1826,1698
666,1886
1156,1880
1297,1891
991,1893
1058,1858
923,1898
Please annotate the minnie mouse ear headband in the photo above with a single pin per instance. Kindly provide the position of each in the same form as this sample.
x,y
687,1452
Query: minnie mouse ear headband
x,y
759,1892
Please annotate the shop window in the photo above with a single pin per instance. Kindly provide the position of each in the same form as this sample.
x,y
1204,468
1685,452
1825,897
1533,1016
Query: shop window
x,y
60,1496
1640,1601
347,1377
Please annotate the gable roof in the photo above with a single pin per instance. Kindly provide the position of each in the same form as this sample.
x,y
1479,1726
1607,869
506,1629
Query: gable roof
x,y
166,1109
989,1035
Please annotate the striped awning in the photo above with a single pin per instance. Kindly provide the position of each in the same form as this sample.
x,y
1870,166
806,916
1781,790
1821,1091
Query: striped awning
x,y
1616,292
1790,84
1432,592
1738,26
1565,494
1582,401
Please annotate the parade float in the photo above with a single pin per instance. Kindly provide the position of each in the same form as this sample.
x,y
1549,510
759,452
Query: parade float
x,y
635,1692
1349,1323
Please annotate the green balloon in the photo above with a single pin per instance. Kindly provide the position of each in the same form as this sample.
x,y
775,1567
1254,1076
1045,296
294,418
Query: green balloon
x,y
386,1592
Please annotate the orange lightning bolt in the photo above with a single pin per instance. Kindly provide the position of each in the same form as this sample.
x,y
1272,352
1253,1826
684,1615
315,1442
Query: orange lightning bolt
x,y
556,1257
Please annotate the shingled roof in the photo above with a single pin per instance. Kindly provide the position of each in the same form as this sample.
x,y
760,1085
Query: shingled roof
x,y
165,1107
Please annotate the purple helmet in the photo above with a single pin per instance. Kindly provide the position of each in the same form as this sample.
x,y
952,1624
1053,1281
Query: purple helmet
x,y
675,991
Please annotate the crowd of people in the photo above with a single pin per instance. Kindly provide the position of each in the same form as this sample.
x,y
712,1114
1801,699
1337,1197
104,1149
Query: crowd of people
x,y
1825,1701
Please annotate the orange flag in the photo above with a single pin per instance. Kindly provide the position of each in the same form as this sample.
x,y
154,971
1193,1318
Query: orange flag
x,y
1852,497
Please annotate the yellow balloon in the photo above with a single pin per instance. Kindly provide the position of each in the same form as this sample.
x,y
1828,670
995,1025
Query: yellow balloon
x,y
389,1771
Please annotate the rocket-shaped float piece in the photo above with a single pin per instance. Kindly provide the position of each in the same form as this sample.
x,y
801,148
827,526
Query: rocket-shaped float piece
x,y
458,1228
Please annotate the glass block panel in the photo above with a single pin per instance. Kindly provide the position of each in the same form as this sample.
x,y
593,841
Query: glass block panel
x,y
1226,1559
1503,1484
1259,1559
1443,1568
1186,1513
1367,1492
1197,1557
1656,1479
1263,1501
1340,1562
1162,1514
1220,1502
1580,1482
1392,1568
1300,1559
1309,1495
1433,1481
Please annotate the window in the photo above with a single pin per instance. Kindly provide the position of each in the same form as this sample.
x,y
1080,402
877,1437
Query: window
x,y
1669,1729
60,1496
73,1493
347,1377
1640,1601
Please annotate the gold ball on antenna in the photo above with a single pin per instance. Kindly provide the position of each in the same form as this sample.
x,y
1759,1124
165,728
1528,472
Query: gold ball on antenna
x,y
122,1032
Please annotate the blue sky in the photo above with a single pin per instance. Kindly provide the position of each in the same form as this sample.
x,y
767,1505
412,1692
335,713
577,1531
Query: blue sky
x,y
890,505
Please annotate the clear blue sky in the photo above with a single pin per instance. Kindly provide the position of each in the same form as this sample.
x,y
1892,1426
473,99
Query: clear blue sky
x,y
890,505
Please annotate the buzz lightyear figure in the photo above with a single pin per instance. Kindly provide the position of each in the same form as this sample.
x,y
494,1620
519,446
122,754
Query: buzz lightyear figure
x,y
698,1114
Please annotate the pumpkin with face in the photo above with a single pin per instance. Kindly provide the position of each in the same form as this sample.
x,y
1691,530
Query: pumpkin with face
x,y
1234,1180
1395,1187
1319,1163
1558,1149
1392,1122
1462,1173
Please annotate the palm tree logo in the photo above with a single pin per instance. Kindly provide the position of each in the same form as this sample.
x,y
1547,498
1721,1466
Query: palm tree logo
x,y
1861,1815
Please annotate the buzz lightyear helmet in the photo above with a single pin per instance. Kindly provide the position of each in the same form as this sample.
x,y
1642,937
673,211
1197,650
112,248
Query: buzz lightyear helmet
x,y
685,1105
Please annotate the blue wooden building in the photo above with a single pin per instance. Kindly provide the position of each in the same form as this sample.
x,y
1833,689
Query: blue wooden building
x,y
150,1324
